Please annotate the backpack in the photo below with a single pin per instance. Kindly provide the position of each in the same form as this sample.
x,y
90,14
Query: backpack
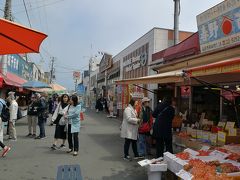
x,y
5,115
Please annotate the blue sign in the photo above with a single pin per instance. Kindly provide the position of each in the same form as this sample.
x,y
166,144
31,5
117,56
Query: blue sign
x,y
80,89
219,26
17,65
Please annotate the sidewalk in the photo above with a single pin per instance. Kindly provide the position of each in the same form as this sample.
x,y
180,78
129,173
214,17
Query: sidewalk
x,y
100,155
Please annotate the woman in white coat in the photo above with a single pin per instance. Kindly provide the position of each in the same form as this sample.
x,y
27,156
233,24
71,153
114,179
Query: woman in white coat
x,y
129,130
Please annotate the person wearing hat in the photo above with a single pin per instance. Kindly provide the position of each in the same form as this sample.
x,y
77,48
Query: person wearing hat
x,y
32,117
144,147
162,128
13,109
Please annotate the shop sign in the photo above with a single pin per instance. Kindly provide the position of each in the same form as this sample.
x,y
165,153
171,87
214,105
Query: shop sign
x,y
76,75
185,91
17,65
232,132
222,136
80,89
135,62
219,26
229,125
105,63
213,138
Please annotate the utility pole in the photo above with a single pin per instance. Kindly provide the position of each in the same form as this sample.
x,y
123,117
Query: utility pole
x,y
52,70
7,15
176,20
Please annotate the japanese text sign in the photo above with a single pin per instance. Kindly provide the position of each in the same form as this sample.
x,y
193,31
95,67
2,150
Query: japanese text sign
x,y
219,26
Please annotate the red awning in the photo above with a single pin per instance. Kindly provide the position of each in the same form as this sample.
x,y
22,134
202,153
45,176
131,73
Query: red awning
x,y
189,46
15,38
226,66
13,80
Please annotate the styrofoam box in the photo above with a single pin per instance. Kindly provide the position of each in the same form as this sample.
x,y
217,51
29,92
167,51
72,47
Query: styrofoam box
x,y
157,167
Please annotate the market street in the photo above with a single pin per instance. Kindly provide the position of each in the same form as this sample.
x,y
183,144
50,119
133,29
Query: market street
x,y
100,155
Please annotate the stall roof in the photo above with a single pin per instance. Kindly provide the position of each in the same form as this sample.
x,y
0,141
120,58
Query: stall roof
x,y
13,80
227,66
169,77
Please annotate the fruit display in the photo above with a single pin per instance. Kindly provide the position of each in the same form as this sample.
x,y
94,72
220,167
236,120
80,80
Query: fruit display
x,y
234,157
203,153
183,155
208,170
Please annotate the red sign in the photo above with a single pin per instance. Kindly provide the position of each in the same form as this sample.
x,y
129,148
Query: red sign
x,y
185,91
76,75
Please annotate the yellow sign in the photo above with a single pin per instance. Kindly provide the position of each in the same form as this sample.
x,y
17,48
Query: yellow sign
x,y
232,132
199,134
205,135
222,136
194,133
221,124
213,138
229,125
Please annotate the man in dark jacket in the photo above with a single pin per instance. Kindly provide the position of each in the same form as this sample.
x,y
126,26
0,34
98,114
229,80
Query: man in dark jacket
x,y
162,128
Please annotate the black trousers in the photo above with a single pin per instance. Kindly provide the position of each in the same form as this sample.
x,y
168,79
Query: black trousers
x,y
2,145
73,141
127,145
163,142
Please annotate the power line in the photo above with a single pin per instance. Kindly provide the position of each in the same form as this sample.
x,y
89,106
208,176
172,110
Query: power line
x,y
49,4
27,13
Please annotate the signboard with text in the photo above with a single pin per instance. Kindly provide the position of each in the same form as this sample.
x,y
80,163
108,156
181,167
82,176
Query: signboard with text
x,y
219,26
76,75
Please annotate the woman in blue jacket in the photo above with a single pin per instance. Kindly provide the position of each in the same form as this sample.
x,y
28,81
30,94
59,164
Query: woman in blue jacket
x,y
73,116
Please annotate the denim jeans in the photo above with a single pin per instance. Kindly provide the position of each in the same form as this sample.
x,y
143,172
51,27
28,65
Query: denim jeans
x,y
41,124
144,147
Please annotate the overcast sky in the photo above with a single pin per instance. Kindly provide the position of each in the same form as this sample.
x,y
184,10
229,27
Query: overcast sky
x,y
109,25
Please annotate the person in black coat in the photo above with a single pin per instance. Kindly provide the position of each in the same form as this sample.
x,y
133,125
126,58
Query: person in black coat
x,y
162,128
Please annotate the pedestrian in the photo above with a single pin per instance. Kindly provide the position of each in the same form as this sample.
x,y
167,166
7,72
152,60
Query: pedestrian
x,y
13,110
162,128
99,105
129,130
5,148
73,117
59,120
42,115
32,117
144,137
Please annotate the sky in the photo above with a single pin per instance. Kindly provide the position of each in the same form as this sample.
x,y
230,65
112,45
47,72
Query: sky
x,y
78,29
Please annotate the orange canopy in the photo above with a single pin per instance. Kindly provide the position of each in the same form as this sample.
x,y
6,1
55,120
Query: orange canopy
x,y
15,38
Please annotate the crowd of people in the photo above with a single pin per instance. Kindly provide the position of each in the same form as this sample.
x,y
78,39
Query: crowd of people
x,y
63,111
138,127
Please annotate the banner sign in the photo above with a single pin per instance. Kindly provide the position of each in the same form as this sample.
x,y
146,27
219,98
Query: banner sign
x,y
219,26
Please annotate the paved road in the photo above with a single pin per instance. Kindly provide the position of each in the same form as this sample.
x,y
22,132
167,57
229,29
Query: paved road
x,y
100,155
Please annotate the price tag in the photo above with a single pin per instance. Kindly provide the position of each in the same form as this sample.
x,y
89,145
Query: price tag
x,y
219,154
221,124
213,138
194,133
229,125
232,132
222,136
184,175
199,134
205,135
192,152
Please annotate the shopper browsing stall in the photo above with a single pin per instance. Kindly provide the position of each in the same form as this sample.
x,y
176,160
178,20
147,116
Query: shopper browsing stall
x,y
129,130
162,128
144,146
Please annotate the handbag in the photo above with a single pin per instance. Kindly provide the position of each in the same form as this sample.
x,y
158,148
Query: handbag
x,y
145,127
62,121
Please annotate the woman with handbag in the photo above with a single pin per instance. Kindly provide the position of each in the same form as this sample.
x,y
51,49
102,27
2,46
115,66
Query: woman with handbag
x,y
59,120
144,136
73,117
